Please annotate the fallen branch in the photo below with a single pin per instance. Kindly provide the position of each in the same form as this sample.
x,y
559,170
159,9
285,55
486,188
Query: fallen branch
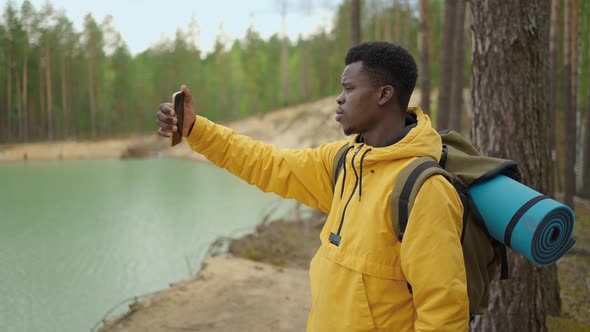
x,y
580,251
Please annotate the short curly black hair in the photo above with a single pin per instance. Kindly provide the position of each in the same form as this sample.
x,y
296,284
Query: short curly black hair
x,y
387,64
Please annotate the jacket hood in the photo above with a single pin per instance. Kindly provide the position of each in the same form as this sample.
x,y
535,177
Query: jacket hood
x,y
422,140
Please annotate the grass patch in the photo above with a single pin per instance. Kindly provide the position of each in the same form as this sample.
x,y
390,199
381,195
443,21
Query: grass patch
x,y
574,278
561,324
281,243
252,254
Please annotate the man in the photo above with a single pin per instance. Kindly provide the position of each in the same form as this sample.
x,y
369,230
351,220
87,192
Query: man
x,y
361,276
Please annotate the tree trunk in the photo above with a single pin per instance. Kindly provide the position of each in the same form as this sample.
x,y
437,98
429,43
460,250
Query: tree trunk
x,y
73,91
3,113
49,90
586,168
397,21
9,92
576,77
510,106
42,114
457,82
101,114
355,11
306,77
553,41
586,146
377,30
24,134
285,63
424,56
91,95
569,118
387,26
446,65
64,94
324,67
19,107
407,25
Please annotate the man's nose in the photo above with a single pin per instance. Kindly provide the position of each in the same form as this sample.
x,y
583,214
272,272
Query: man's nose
x,y
340,99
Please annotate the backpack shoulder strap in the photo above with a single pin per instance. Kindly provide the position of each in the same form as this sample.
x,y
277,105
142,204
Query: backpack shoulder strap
x,y
338,163
406,189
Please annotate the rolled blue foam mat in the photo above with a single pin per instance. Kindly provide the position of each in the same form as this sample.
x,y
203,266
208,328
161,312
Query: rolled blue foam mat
x,y
537,227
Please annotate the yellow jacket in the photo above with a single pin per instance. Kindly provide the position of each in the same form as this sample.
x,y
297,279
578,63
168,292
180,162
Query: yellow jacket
x,y
361,284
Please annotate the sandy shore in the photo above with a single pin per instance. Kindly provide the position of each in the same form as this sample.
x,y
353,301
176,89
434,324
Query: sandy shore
x,y
113,148
262,284
301,126
230,294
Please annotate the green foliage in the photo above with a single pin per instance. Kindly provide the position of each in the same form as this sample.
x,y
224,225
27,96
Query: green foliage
x,y
98,89
86,84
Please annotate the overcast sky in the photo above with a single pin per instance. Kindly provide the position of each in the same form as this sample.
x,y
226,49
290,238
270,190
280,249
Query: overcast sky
x,y
143,22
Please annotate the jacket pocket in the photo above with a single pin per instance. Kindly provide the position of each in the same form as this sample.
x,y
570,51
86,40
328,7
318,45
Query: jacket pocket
x,y
390,303
339,299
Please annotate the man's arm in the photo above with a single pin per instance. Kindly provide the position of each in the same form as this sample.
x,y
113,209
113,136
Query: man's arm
x,y
432,258
304,175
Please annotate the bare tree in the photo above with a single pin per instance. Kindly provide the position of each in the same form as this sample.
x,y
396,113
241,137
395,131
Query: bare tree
x,y
586,165
13,35
457,81
569,120
407,25
586,168
355,11
510,105
9,90
49,89
284,53
576,78
397,21
27,13
387,25
553,50
63,53
446,65
41,80
305,71
377,14
91,92
425,56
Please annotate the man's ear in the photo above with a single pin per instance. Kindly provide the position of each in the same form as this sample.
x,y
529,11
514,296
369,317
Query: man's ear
x,y
385,94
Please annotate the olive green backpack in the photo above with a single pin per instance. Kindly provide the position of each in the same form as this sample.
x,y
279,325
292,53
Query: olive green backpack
x,y
462,165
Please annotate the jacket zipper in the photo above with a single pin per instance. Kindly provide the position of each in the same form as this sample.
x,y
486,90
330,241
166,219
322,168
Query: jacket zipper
x,y
335,238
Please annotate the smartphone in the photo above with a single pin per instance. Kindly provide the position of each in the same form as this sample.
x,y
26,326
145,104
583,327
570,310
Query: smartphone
x,y
178,101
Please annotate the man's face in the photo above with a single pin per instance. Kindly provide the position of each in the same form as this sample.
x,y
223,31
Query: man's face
x,y
358,110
